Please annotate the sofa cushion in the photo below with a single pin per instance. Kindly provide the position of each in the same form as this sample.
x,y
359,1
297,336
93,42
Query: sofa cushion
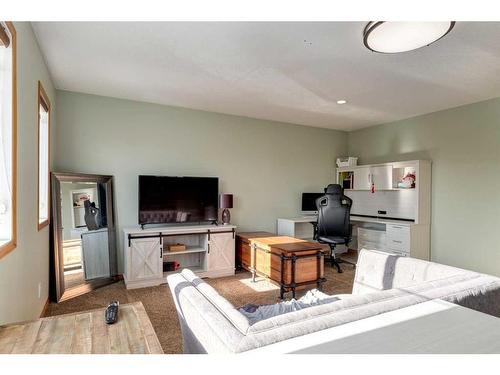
x,y
223,305
378,270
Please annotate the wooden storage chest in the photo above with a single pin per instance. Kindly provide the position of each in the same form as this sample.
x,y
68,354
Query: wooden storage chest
x,y
243,243
291,262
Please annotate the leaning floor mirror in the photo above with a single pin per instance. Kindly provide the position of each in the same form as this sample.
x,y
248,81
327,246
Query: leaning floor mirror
x,y
83,234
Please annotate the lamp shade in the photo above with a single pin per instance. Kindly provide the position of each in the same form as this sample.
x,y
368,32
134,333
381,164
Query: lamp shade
x,y
226,201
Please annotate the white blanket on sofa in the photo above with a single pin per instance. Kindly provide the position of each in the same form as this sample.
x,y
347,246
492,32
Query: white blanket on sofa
x,y
256,313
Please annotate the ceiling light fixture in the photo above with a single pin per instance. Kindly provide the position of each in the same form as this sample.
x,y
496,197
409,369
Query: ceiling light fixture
x,y
394,37
342,101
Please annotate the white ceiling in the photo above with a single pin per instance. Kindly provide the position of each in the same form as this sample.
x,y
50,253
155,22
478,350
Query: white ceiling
x,y
291,72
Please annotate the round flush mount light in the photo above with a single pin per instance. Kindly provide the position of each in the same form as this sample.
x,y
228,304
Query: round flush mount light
x,y
341,101
394,37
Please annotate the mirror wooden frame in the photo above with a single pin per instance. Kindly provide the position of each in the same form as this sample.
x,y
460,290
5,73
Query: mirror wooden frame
x,y
58,291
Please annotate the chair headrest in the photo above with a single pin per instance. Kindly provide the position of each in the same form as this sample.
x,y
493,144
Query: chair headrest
x,y
333,189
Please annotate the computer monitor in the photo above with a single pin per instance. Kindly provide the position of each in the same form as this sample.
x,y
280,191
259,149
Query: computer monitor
x,y
309,203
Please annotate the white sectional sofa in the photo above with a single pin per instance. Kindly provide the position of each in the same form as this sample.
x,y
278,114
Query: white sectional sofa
x,y
383,282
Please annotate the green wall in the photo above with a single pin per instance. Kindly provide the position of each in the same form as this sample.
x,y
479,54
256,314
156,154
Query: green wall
x,y
27,266
265,164
464,146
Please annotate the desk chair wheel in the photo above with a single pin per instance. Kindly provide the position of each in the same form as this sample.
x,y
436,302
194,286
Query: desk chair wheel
x,y
335,264
333,260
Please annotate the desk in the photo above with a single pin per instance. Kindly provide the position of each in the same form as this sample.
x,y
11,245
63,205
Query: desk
x,y
284,223
398,236
432,327
298,227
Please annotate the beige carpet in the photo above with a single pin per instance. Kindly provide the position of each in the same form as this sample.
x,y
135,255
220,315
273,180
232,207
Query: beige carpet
x,y
161,310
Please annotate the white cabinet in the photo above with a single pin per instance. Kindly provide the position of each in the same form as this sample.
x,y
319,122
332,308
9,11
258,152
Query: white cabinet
x,y
146,259
380,176
95,254
209,252
371,239
398,238
362,178
220,254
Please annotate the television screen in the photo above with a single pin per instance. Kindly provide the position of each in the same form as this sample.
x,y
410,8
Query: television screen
x,y
165,199
309,201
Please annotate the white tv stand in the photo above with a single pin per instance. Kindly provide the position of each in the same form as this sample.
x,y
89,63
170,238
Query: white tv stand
x,y
209,253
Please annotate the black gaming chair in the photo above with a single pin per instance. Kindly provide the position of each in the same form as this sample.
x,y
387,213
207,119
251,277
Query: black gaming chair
x,y
334,224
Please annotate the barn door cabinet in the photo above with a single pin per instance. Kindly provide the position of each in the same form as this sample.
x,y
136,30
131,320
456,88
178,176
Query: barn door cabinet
x,y
220,254
210,252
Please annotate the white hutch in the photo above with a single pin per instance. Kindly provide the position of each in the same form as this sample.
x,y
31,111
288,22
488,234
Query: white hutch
x,y
389,216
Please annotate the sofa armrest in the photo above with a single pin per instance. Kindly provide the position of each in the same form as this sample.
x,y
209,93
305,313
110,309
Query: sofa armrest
x,y
204,328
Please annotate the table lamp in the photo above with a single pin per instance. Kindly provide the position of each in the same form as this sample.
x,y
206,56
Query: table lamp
x,y
226,202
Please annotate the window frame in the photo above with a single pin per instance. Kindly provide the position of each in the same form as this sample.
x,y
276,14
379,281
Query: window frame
x,y
43,100
7,247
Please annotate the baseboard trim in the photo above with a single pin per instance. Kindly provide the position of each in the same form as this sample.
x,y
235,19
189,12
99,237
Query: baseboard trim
x,y
45,308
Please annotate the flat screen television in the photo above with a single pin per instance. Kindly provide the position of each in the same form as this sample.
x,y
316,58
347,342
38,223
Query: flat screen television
x,y
309,202
164,199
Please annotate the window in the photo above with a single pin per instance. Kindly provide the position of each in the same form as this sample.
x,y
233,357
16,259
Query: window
x,y
43,157
8,94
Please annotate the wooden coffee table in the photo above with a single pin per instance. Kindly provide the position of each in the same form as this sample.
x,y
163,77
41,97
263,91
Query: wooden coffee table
x,y
291,262
83,333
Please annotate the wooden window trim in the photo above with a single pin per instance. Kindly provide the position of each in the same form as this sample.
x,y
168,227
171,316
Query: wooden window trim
x,y
11,245
43,100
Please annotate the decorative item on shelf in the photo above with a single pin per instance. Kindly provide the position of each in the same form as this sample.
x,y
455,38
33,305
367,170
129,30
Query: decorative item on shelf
x,y
348,161
170,266
176,247
226,202
408,181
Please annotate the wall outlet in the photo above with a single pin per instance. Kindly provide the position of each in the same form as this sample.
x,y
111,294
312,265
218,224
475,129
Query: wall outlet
x,y
39,289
